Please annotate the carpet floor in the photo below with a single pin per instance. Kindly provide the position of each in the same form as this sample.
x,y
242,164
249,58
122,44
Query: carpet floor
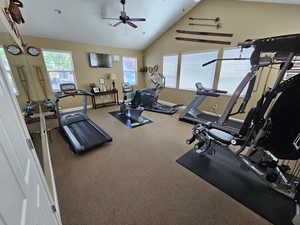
x,y
135,180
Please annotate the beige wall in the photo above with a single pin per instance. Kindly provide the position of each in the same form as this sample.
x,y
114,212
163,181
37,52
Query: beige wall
x,y
246,20
84,74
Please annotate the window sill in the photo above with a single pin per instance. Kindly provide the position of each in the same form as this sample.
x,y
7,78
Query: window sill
x,y
173,88
189,90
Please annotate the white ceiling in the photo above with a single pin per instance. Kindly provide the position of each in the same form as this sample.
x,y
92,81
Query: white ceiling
x,y
81,21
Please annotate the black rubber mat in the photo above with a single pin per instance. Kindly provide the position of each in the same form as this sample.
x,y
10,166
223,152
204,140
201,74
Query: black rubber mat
x,y
224,172
127,122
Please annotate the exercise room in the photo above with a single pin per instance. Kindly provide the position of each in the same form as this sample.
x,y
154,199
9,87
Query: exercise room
x,y
163,112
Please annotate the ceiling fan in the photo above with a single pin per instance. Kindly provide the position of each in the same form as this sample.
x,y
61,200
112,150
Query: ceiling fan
x,y
125,19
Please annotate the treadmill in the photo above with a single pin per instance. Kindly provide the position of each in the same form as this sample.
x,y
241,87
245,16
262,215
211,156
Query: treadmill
x,y
82,133
193,114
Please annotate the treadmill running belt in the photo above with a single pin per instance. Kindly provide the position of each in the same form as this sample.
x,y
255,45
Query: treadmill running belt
x,y
160,108
87,135
206,117
224,172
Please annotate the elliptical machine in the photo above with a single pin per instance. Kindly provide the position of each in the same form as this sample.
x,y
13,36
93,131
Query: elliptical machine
x,y
269,140
148,97
128,108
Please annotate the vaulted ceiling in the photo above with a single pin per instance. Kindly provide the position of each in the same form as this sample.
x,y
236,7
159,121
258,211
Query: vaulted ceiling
x,y
81,20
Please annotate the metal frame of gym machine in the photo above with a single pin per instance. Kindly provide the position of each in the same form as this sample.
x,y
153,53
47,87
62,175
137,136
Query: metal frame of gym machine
x,y
258,123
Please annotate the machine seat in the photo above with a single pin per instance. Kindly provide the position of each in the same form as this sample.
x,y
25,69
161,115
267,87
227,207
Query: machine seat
x,y
220,136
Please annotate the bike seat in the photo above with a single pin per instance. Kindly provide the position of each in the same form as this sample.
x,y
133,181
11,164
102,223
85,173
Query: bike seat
x,y
220,136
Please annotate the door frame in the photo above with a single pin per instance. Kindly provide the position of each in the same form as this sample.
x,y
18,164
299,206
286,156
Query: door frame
x,y
13,99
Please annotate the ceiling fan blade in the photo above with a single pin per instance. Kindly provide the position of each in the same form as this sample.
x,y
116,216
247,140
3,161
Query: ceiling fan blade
x,y
132,24
107,18
137,19
117,24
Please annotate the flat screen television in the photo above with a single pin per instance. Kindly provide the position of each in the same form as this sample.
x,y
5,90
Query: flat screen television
x,y
99,60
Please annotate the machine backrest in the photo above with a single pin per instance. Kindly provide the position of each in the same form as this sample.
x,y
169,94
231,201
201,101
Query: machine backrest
x,y
283,136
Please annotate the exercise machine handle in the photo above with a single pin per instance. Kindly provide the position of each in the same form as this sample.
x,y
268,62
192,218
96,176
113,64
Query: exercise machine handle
x,y
209,62
223,59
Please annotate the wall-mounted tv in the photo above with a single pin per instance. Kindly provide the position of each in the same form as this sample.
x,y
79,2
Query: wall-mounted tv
x,y
99,60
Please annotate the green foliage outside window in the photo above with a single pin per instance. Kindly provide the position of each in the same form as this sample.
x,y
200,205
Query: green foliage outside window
x,y
58,61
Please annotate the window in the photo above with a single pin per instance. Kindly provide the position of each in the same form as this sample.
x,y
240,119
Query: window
x,y
60,68
192,70
232,72
11,80
130,70
170,64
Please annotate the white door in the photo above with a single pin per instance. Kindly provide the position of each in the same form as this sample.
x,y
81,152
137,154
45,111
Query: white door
x,y
24,197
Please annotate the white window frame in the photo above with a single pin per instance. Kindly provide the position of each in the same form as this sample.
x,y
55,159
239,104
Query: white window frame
x,y
136,69
219,77
177,69
59,71
9,71
195,52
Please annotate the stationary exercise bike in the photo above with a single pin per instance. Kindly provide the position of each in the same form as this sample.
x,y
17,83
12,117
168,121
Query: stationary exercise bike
x,y
128,108
269,140
148,97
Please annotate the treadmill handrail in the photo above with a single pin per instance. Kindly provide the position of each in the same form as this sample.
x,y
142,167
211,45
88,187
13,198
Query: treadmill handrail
x,y
73,140
201,90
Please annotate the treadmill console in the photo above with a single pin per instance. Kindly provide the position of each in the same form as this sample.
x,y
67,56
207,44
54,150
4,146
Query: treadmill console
x,y
68,87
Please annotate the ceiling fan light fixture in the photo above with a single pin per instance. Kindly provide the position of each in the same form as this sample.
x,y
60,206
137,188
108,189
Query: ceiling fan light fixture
x,y
125,19
58,11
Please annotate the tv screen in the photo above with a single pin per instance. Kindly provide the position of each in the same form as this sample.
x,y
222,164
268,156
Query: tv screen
x,y
98,60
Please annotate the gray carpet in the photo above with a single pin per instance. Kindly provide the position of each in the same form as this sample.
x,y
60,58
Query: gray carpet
x,y
135,180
